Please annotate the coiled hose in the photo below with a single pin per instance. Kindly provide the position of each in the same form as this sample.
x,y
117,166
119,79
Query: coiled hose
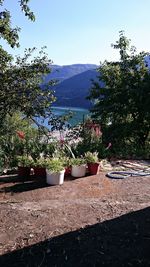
x,y
125,174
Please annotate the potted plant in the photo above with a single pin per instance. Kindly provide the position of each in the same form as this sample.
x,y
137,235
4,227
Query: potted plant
x,y
92,162
40,168
24,165
67,165
78,167
55,171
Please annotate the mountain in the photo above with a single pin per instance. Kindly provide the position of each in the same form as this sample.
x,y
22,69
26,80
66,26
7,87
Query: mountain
x,y
61,73
74,83
147,61
72,92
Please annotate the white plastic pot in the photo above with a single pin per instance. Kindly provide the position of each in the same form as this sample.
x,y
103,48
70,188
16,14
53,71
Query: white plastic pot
x,y
55,178
78,170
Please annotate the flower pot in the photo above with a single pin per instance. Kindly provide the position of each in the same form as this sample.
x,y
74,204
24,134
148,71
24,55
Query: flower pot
x,y
23,172
55,178
78,170
93,168
67,171
40,172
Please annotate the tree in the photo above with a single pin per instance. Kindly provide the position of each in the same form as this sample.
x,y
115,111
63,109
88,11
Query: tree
x,y
11,35
22,85
122,101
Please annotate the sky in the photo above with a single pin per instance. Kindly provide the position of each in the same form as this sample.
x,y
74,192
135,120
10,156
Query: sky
x,y
81,31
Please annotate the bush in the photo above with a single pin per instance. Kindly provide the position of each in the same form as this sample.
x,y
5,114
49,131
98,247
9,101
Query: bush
x,y
25,161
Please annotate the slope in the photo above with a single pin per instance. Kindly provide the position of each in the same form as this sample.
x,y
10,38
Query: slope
x,y
72,92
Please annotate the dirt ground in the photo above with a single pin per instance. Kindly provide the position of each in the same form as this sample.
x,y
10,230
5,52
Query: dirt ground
x,y
89,221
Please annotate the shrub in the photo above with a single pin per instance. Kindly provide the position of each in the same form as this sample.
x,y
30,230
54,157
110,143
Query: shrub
x,y
24,161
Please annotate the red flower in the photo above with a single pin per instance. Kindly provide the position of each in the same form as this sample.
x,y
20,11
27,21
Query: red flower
x,y
21,134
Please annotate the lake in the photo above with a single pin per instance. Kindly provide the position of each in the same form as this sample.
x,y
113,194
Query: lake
x,y
79,114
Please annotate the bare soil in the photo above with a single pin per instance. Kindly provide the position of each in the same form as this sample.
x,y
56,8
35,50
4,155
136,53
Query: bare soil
x,y
89,221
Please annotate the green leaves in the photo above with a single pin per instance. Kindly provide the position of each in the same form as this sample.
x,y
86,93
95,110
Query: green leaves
x,y
22,84
123,101
11,35
26,9
6,31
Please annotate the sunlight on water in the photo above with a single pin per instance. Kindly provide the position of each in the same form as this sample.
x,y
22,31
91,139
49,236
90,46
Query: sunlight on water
x,y
78,116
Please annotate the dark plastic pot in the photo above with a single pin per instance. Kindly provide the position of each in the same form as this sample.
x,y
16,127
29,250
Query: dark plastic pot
x,y
93,168
23,172
40,172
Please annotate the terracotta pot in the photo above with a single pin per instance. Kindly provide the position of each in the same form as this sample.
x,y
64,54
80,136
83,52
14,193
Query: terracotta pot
x,y
23,172
39,172
93,168
67,171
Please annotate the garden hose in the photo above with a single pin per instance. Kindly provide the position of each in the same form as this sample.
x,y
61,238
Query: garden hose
x,y
126,174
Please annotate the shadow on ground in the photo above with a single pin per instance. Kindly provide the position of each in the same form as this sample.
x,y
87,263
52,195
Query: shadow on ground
x,y
26,184
21,185
123,241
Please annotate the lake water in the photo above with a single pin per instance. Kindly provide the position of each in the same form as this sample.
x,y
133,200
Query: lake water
x,y
78,114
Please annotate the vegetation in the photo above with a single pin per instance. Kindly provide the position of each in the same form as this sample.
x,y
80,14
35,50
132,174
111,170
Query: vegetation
x,y
121,108
22,86
40,163
23,94
91,157
11,35
17,137
24,161
77,161
90,140
54,165
122,100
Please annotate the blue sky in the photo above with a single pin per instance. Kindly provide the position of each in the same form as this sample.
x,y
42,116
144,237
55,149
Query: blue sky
x,y
81,31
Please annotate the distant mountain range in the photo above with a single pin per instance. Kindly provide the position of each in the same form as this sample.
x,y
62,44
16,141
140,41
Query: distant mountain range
x,y
147,61
74,83
64,72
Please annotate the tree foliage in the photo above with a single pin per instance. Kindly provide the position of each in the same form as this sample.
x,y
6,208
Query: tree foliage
x,y
22,85
7,32
122,104
11,144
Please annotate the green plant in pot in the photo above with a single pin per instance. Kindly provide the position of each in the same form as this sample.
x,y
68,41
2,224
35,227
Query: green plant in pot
x,y
78,167
92,162
24,165
40,168
55,171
